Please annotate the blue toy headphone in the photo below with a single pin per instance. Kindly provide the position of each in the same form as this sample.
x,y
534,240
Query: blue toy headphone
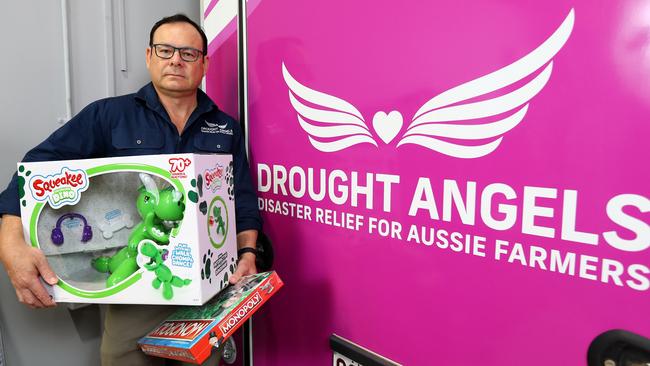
x,y
57,234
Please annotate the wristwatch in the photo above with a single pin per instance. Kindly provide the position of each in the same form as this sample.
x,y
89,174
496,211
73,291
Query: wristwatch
x,y
241,251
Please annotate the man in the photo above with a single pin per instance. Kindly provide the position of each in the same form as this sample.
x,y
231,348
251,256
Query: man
x,y
165,116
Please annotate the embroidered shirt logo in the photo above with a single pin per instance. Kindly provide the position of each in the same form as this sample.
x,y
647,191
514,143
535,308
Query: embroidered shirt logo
x,y
216,128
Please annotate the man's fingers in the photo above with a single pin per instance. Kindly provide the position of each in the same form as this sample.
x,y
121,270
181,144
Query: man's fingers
x,y
239,272
25,265
235,277
19,296
45,270
30,300
41,294
246,266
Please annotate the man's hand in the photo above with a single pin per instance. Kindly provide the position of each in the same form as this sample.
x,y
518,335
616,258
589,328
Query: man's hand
x,y
246,265
24,265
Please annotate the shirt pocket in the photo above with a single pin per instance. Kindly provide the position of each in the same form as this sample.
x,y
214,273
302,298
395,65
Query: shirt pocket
x,y
134,141
213,143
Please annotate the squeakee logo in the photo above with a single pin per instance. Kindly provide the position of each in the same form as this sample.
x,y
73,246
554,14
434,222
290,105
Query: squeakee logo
x,y
59,189
240,313
456,123
213,178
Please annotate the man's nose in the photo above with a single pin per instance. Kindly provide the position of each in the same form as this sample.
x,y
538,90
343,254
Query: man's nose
x,y
176,58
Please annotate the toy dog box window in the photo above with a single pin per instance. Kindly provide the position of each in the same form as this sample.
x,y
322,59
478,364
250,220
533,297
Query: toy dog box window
x,y
156,229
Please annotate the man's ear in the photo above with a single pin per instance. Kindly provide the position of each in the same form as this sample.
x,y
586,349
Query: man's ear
x,y
148,56
206,63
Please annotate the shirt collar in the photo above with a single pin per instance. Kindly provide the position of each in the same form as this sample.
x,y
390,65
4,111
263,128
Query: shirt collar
x,y
148,95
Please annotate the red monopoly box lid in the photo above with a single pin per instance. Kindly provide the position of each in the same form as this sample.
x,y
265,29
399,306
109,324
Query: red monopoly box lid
x,y
192,332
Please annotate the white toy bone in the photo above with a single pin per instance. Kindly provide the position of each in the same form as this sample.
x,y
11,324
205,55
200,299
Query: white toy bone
x,y
110,226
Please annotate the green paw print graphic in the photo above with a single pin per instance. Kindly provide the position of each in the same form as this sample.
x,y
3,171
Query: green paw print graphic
x,y
231,269
230,181
194,196
206,271
22,174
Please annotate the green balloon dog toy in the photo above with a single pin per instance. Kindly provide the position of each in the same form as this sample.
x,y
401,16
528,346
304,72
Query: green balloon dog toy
x,y
164,276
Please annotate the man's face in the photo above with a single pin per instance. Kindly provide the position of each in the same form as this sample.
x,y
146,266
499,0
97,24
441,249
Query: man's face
x,y
175,76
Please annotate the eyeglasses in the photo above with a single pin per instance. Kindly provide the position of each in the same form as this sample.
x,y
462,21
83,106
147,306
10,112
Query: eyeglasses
x,y
166,52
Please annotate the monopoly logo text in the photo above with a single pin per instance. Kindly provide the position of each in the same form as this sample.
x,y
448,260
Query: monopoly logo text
x,y
240,314
180,329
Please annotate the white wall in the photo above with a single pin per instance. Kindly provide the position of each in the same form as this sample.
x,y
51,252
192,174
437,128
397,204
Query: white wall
x,y
32,99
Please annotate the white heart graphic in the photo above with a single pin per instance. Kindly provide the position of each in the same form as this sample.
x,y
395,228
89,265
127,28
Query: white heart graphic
x,y
387,125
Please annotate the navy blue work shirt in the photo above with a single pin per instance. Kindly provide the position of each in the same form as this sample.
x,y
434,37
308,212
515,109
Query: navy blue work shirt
x,y
137,124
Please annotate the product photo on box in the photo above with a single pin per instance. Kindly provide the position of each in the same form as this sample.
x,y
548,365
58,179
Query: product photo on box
x,y
154,229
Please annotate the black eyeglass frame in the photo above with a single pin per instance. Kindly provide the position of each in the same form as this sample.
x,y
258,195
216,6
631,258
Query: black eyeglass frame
x,y
174,49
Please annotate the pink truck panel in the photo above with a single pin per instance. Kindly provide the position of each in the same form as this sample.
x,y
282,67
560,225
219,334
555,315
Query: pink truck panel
x,y
450,183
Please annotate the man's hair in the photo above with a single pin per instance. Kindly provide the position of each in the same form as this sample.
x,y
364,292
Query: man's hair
x,y
179,18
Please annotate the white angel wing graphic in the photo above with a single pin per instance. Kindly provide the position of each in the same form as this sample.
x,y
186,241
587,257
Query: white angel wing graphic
x,y
331,123
430,122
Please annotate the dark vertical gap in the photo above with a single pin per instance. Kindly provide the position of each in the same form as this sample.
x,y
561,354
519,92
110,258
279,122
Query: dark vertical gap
x,y
241,44
241,68
248,347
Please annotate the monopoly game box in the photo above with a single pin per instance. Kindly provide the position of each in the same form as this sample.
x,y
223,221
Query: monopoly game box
x,y
192,332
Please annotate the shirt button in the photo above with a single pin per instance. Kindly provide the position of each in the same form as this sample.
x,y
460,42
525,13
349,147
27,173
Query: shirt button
x,y
138,142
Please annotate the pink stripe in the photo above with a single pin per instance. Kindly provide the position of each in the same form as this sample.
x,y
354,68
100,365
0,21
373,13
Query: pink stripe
x,y
215,43
209,8
222,37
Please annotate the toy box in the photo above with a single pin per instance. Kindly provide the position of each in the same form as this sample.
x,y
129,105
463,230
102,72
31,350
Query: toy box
x,y
154,229
191,333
